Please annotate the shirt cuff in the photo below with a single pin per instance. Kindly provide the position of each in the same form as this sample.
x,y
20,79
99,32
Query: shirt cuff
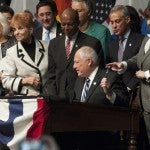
x,y
124,69
147,75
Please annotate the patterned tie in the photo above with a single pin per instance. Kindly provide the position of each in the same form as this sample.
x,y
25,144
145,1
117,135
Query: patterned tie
x,y
121,48
68,48
47,36
85,89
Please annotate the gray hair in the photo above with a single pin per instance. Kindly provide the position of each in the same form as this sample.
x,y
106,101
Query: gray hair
x,y
87,52
122,9
4,23
88,3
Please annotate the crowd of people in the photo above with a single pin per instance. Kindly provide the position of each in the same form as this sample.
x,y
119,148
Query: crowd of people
x,y
76,59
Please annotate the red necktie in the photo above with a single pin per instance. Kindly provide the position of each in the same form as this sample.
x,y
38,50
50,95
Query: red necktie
x,y
68,48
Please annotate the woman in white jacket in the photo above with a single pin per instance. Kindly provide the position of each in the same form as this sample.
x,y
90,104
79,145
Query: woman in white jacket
x,y
26,62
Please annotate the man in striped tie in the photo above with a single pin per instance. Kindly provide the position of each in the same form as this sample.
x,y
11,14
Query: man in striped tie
x,y
61,52
95,84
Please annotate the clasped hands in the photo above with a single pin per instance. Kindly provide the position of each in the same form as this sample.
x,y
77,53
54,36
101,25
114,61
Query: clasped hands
x,y
32,81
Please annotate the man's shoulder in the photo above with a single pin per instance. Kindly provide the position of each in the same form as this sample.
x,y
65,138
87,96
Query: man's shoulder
x,y
59,29
57,40
37,30
137,34
113,41
37,33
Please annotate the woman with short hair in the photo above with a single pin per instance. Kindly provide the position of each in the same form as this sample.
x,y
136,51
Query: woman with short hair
x,y
27,61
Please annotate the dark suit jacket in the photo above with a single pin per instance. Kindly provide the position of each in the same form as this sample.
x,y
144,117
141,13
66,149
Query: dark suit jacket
x,y
133,44
96,94
61,73
38,32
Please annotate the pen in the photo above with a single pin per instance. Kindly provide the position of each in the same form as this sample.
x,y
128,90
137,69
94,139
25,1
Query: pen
x,y
106,74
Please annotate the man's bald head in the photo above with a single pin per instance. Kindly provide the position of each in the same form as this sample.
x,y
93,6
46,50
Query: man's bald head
x,y
70,13
69,22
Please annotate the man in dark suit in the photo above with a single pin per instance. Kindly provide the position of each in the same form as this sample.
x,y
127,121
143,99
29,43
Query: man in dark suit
x,y
46,12
131,41
61,74
105,86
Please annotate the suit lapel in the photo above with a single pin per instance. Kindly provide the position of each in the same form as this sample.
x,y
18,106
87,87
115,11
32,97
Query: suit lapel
x,y
76,46
115,49
24,57
142,54
39,53
79,88
63,50
22,54
128,47
145,56
95,83
58,31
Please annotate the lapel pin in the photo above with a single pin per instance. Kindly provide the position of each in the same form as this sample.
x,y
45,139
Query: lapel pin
x,y
76,45
130,44
60,34
94,83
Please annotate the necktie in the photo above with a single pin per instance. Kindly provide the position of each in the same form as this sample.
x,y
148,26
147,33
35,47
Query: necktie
x,y
121,49
68,48
85,90
47,36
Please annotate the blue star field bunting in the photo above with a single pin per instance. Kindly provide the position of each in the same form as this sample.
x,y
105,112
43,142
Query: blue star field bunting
x,y
101,10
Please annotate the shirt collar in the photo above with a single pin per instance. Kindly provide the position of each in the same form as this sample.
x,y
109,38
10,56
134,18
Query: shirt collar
x,y
126,35
92,75
52,29
74,36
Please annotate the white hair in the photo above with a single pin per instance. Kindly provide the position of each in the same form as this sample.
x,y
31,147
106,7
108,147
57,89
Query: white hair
x,y
4,23
88,52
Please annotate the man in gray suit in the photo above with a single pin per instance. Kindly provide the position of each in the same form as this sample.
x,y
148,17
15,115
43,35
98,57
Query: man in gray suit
x,y
142,61
61,74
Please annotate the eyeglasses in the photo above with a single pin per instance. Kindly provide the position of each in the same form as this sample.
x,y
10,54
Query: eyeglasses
x,y
81,10
47,14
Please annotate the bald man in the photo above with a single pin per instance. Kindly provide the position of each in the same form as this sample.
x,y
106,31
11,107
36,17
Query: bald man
x,y
61,74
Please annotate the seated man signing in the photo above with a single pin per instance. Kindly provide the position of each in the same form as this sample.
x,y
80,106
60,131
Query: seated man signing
x,y
95,84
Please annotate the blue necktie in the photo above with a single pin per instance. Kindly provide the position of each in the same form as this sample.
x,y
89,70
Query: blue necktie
x,y
47,36
85,90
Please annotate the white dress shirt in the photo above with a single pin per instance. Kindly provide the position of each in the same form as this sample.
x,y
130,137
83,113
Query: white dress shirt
x,y
52,33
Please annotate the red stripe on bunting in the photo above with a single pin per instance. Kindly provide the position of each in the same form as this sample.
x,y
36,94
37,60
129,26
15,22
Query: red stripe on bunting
x,y
39,119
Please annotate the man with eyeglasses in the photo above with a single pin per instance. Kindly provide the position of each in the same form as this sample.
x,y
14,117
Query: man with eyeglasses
x,y
46,12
